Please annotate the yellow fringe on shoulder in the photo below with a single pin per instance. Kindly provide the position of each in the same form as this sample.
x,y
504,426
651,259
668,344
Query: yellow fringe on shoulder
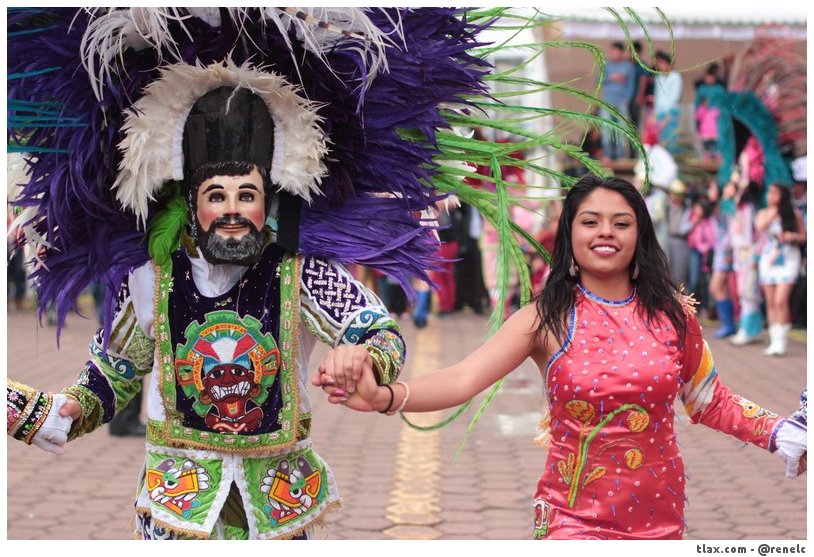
x,y
544,438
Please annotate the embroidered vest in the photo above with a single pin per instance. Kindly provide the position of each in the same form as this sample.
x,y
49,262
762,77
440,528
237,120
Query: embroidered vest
x,y
228,364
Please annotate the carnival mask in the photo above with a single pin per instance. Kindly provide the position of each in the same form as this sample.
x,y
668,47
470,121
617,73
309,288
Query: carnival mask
x,y
230,212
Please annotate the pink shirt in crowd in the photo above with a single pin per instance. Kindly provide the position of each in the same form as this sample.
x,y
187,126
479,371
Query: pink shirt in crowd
x,y
707,117
702,236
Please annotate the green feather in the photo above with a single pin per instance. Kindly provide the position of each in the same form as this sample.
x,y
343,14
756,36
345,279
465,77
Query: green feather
x,y
164,230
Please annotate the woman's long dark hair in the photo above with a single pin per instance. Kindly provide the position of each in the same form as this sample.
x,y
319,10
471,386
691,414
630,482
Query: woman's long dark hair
x,y
785,209
655,286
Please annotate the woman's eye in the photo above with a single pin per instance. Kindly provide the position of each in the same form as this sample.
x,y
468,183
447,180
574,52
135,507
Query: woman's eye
x,y
622,224
589,222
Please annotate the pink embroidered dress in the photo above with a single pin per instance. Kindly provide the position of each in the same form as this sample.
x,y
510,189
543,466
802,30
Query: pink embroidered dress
x,y
614,469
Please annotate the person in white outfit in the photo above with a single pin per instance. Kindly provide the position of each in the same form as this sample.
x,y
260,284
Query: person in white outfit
x,y
781,231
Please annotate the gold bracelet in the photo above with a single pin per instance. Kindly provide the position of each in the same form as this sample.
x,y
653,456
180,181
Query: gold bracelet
x,y
403,402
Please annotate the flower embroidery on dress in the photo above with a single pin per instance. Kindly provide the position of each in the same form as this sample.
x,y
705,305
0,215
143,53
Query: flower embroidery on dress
x,y
572,468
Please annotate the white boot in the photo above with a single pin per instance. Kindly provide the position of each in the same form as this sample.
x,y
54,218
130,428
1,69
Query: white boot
x,y
742,339
782,338
772,349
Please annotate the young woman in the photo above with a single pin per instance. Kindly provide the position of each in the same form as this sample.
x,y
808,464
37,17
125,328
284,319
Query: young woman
x,y
722,262
745,196
781,231
617,346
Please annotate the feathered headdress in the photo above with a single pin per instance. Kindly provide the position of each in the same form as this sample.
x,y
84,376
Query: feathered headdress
x,y
767,95
373,110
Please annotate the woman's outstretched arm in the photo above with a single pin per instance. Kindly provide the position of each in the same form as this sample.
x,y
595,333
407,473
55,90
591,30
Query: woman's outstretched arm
x,y
451,386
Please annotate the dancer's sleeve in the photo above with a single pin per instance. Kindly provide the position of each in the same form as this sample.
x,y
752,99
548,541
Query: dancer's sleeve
x,y
338,309
113,376
708,401
26,410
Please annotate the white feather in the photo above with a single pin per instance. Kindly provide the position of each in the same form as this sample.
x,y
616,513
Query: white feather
x,y
18,175
370,41
152,151
112,33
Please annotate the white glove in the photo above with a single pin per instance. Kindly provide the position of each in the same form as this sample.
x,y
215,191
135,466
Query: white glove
x,y
791,444
53,434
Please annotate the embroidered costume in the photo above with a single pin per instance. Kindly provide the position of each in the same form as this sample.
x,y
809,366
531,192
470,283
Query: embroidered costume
x,y
26,410
228,400
614,469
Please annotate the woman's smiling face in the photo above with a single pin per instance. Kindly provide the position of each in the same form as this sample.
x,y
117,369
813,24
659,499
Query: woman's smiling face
x,y
604,234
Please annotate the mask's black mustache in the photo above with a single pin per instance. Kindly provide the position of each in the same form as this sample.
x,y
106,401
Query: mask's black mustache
x,y
231,220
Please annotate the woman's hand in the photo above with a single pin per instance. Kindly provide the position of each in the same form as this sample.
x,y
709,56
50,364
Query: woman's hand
x,y
345,365
340,361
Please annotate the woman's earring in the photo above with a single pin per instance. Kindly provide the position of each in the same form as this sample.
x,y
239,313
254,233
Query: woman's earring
x,y
635,274
573,270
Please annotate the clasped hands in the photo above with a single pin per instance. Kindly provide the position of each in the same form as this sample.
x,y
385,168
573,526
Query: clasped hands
x,y
346,375
53,434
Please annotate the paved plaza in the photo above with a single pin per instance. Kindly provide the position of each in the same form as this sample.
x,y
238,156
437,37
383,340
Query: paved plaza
x,y
398,483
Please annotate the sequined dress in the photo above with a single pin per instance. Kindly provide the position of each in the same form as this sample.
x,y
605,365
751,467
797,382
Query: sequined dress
x,y
614,469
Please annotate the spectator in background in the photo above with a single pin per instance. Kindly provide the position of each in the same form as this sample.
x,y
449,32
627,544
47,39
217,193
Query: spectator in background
x,y
638,104
723,210
546,236
799,194
746,195
710,93
799,198
751,163
701,241
706,117
666,101
781,231
662,170
396,296
712,76
423,299
470,289
678,226
618,88
444,278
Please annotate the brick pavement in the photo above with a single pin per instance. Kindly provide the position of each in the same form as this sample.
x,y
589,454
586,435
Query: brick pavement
x,y
397,484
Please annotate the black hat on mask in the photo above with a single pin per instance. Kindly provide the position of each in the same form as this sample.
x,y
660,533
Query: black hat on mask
x,y
230,124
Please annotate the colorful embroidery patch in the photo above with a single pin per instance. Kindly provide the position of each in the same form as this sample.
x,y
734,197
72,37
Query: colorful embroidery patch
x,y
227,366
176,487
292,489
182,488
755,412
542,515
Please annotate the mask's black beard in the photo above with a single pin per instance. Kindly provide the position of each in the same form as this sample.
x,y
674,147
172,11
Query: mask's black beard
x,y
218,250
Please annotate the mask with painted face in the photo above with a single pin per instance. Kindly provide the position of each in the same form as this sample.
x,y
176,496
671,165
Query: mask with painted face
x,y
228,144
229,213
